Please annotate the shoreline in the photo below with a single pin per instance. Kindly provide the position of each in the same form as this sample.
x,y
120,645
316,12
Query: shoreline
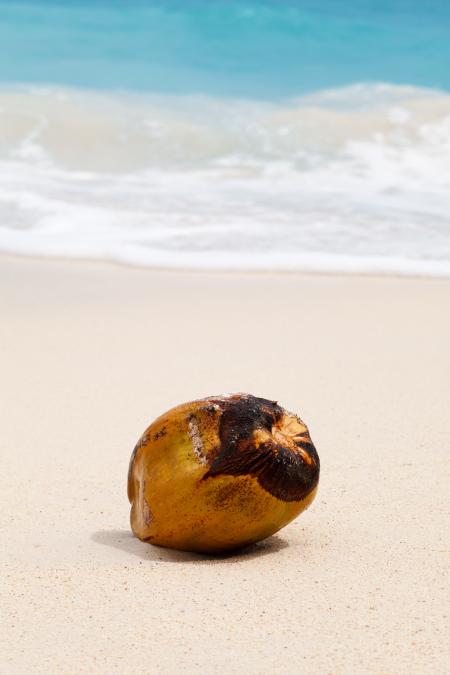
x,y
50,259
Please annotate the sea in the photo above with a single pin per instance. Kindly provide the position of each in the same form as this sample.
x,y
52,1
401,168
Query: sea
x,y
309,135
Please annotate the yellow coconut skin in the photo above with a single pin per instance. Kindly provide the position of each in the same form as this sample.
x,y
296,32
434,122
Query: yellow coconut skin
x,y
173,505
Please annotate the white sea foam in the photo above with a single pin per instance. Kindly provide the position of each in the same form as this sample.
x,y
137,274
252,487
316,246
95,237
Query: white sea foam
x,y
355,179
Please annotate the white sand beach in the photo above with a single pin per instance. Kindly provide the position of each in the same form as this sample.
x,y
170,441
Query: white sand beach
x,y
90,354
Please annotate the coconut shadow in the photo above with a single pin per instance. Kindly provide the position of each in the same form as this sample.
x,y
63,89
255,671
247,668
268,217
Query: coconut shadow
x,y
125,541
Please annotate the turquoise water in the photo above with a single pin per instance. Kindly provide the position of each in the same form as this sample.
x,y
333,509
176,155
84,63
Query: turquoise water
x,y
252,49
232,135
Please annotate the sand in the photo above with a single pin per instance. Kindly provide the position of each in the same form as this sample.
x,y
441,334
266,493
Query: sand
x,y
91,353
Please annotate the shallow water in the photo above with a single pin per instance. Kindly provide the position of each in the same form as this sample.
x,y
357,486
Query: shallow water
x,y
249,141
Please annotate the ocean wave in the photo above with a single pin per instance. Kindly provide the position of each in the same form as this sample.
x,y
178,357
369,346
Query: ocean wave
x,y
352,179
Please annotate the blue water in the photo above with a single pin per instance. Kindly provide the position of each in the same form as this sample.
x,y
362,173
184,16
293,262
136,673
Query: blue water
x,y
267,49
308,135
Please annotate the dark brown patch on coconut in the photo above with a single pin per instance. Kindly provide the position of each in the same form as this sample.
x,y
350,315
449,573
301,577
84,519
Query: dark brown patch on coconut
x,y
160,434
130,487
288,472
